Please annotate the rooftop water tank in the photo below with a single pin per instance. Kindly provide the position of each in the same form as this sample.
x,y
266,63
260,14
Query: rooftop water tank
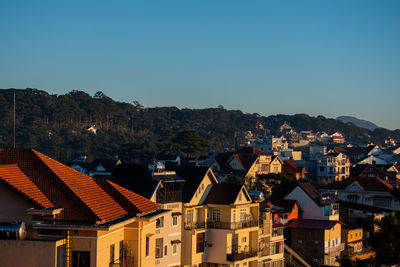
x,y
13,230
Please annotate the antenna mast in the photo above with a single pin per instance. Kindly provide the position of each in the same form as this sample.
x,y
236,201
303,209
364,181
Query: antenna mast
x,y
14,120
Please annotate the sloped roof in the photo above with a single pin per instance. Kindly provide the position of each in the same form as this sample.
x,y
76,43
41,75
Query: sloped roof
x,y
223,193
135,177
80,196
108,164
193,176
222,160
312,192
16,179
286,204
246,160
250,150
311,224
367,183
139,204
291,166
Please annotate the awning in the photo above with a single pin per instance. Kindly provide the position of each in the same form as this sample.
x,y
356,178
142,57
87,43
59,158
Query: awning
x,y
176,213
175,242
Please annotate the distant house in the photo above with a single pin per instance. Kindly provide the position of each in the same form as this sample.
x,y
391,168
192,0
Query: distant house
x,y
250,160
369,191
313,204
317,241
292,167
285,210
99,168
387,173
333,166
337,138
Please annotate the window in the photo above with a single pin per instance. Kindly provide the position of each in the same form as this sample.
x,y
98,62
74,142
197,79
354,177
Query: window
x,y
189,216
159,248
216,215
276,248
160,222
277,232
242,214
121,250
202,186
165,250
112,256
321,169
147,246
244,239
174,249
200,242
234,216
80,258
174,220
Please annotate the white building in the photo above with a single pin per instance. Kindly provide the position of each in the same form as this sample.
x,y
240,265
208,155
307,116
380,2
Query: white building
x,y
333,166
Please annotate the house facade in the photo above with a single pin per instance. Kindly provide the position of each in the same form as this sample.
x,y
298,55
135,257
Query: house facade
x,y
71,219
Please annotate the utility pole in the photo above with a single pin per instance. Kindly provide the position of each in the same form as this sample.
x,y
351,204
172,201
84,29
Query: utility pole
x,y
14,120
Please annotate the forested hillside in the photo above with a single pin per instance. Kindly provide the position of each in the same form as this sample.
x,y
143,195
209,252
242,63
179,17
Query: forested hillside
x,y
55,124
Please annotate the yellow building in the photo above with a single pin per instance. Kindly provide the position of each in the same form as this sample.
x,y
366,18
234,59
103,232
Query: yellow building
x,y
220,222
271,241
317,241
70,219
252,161
352,237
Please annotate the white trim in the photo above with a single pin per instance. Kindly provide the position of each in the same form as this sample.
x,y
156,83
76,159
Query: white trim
x,y
174,264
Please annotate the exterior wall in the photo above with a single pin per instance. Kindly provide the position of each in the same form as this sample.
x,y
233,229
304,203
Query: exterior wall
x,y
202,191
333,168
310,210
16,207
30,253
356,194
308,243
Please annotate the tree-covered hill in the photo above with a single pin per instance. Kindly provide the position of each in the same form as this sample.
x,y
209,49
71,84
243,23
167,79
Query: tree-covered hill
x,y
54,123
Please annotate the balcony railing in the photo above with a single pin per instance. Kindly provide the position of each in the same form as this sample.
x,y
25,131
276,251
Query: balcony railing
x,y
329,250
194,225
238,256
232,225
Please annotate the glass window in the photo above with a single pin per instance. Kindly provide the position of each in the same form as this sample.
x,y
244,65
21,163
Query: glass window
x,y
80,258
242,214
112,255
160,222
159,248
147,245
174,220
165,250
174,249
216,215
200,242
189,216
121,250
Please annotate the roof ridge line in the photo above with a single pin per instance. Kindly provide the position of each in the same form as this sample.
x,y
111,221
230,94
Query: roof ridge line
x,y
64,183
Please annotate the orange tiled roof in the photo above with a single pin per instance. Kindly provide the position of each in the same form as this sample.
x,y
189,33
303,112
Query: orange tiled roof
x,y
143,205
87,190
80,196
16,179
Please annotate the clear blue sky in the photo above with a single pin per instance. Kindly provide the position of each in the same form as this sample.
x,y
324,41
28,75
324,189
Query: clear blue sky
x,y
332,58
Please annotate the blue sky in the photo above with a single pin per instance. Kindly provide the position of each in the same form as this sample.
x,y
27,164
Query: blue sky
x,y
331,58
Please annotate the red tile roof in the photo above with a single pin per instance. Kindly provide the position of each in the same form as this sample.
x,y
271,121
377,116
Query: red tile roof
x,y
12,176
251,150
80,196
246,160
141,204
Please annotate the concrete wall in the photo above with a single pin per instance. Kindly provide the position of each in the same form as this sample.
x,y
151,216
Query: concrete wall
x,y
32,253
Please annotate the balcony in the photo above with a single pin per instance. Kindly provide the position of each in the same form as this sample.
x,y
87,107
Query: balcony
x,y
329,250
232,225
194,225
238,256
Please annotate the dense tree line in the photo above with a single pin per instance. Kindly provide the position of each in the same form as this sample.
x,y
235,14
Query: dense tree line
x,y
54,123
